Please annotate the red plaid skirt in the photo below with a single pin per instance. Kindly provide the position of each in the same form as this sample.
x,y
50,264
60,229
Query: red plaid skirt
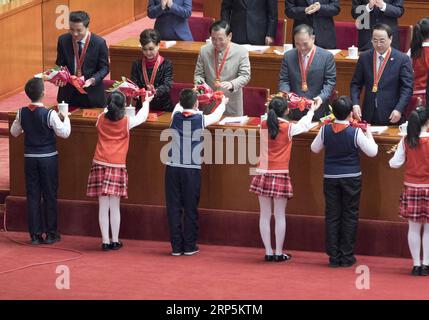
x,y
273,185
414,204
107,181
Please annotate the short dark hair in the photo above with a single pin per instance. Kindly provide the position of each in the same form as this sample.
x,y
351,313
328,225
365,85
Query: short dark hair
x,y
217,25
382,26
148,36
116,106
188,98
342,107
80,16
34,89
303,28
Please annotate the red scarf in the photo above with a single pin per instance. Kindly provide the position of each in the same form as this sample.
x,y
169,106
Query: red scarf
x,y
150,63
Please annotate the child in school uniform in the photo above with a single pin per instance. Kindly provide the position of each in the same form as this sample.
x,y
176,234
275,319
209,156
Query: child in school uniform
x,y
183,171
413,150
272,182
108,178
342,180
40,127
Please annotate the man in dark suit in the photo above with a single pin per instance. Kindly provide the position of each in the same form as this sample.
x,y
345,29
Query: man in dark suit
x,y
317,14
387,76
84,54
371,12
251,21
171,18
308,71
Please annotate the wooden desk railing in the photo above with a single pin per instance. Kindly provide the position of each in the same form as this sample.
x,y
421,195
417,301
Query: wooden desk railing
x,y
224,186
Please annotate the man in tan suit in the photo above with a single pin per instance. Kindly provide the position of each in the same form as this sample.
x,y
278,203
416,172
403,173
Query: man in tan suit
x,y
225,66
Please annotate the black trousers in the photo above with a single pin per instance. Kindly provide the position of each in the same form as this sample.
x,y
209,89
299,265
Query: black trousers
x,y
342,196
182,194
41,182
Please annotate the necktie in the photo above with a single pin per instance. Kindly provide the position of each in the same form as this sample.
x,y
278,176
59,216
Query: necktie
x,y
380,62
80,44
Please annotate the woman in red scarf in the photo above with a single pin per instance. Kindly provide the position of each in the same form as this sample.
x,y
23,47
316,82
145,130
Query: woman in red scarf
x,y
153,72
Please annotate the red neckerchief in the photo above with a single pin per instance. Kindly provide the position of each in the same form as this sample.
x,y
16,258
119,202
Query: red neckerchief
x,y
338,127
33,107
188,114
148,64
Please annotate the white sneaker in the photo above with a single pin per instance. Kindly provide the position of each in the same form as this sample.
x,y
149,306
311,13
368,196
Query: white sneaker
x,y
190,253
176,253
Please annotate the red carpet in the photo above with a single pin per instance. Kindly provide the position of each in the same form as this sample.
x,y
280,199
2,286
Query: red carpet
x,y
144,270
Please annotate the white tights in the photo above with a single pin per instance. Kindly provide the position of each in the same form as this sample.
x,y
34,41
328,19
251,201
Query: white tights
x,y
265,223
112,203
414,241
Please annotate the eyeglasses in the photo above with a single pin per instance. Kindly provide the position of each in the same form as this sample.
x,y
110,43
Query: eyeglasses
x,y
376,41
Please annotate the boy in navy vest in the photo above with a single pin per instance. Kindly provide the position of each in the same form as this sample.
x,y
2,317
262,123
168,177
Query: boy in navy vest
x,y
183,171
342,180
40,125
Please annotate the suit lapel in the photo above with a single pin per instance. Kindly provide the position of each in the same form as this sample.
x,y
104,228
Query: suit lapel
x,y
390,63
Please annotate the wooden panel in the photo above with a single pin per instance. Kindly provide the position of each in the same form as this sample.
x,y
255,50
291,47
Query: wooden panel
x,y
140,9
52,29
265,67
224,186
21,50
106,15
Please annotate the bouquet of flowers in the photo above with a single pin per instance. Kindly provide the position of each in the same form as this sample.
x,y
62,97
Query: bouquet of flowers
x,y
63,74
294,101
207,95
130,89
354,123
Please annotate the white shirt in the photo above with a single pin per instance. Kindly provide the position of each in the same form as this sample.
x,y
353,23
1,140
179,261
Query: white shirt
x,y
208,119
61,129
306,58
303,125
367,145
83,41
399,157
382,9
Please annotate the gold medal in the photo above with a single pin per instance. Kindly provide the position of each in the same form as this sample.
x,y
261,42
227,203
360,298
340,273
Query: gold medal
x,y
304,87
374,88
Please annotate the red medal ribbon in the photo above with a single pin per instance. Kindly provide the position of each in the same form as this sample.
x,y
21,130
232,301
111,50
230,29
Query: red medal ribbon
x,y
81,59
304,73
222,64
377,75
149,83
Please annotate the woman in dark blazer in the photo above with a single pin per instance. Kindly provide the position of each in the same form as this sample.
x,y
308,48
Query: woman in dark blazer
x,y
153,72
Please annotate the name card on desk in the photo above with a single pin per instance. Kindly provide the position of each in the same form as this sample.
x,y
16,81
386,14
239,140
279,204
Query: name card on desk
x,y
89,113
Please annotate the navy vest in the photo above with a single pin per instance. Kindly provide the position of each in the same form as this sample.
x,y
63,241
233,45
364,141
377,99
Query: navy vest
x,y
341,153
39,137
187,142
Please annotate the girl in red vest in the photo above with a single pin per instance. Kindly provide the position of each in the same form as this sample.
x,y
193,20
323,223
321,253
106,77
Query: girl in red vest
x,y
413,150
272,182
108,178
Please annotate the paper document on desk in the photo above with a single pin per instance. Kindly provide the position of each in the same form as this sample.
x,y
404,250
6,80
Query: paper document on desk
x,y
334,51
378,129
236,120
257,49
167,44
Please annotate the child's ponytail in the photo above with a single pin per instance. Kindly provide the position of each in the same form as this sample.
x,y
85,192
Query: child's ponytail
x,y
416,120
116,106
276,108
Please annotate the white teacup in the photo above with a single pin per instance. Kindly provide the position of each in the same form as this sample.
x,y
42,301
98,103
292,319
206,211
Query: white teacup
x,y
131,111
287,47
353,52
63,108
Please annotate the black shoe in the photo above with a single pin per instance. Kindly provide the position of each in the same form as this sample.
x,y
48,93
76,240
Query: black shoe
x,y
105,246
416,271
176,253
52,237
269,257
37,239
334,264
282,257
191,252
346,263
424,270
116,245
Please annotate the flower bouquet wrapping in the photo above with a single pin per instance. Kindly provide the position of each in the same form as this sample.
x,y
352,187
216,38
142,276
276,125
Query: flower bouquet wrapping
x,y
63,74
130,89
294,101
207,95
